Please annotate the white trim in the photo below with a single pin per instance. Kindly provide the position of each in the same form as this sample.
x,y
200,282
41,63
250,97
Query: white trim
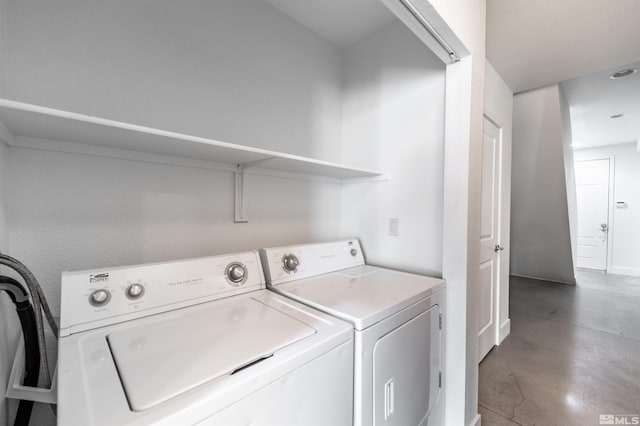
x,y
427,24
476,420
455,239
621,270
453,55
542,279
505,330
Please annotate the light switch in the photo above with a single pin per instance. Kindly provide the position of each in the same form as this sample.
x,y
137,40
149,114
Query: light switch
x,y
393,226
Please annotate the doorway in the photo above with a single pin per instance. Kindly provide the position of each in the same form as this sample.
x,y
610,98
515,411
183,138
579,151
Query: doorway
x,y
592,191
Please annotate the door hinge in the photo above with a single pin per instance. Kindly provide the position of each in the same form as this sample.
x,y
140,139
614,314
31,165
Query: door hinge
x,y
440,321
440,379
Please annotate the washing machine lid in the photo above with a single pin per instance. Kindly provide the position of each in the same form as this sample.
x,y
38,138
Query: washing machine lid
x,y
159,361
362,295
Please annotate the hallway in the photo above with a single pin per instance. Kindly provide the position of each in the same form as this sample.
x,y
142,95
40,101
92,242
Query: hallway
x,y
573,354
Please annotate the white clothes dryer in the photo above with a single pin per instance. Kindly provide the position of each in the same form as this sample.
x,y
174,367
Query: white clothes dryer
x,y
398,322
197,341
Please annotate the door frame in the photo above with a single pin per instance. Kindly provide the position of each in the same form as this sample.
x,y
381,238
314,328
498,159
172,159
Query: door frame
x,y
610,204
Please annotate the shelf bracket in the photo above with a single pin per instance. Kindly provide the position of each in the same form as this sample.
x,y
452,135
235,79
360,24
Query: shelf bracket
x,y
241,210
241,190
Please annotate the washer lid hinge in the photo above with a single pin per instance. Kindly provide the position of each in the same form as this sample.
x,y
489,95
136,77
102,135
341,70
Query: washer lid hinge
x,y
440,321
440,379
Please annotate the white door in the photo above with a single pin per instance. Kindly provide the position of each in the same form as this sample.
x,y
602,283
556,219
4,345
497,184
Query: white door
x,y
592,191
490,247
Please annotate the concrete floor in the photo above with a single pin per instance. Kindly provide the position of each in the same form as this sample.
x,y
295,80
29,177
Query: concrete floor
x,y
573,354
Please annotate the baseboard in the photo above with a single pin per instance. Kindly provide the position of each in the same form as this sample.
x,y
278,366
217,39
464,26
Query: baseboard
x,y
476,421
542,279
505,330
617,270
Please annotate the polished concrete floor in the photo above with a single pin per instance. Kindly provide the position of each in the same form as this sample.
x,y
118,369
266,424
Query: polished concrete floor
x,y
573,354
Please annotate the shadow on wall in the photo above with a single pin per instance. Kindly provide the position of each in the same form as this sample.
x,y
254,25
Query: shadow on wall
x,y
541,236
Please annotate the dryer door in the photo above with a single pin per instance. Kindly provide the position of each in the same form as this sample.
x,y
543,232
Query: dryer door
x,y
406,367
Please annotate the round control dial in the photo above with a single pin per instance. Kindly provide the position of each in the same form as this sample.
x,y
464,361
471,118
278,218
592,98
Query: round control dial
x,y
290,263
134,291
354,252
100,297
236,273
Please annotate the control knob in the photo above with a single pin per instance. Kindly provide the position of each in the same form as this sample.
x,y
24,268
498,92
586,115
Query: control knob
x,y
290,263
134,291
100,297
236,273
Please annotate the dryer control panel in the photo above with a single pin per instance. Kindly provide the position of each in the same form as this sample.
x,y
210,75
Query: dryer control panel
x,y
289,263
100,297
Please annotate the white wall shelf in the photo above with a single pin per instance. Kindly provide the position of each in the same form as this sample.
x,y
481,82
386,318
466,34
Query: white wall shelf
x,y
22,119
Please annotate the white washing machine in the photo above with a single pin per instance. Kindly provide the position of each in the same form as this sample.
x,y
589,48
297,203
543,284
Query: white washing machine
x,y
398,322
198,341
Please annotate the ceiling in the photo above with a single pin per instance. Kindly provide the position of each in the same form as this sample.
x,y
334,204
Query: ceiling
x,y
338,21
594,98
532,43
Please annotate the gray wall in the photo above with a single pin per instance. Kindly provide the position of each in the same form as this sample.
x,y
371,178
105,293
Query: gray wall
x,y
7,316
540,231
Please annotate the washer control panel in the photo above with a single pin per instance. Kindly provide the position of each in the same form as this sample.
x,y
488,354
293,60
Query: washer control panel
x,y
284,264
97,298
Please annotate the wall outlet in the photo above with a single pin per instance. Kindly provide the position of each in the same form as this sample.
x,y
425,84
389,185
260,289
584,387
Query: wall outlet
x,y
393,226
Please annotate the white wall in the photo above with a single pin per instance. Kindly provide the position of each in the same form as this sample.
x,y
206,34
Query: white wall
x,y
71,212
540,233
498,106
394,121
625,228
230,70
